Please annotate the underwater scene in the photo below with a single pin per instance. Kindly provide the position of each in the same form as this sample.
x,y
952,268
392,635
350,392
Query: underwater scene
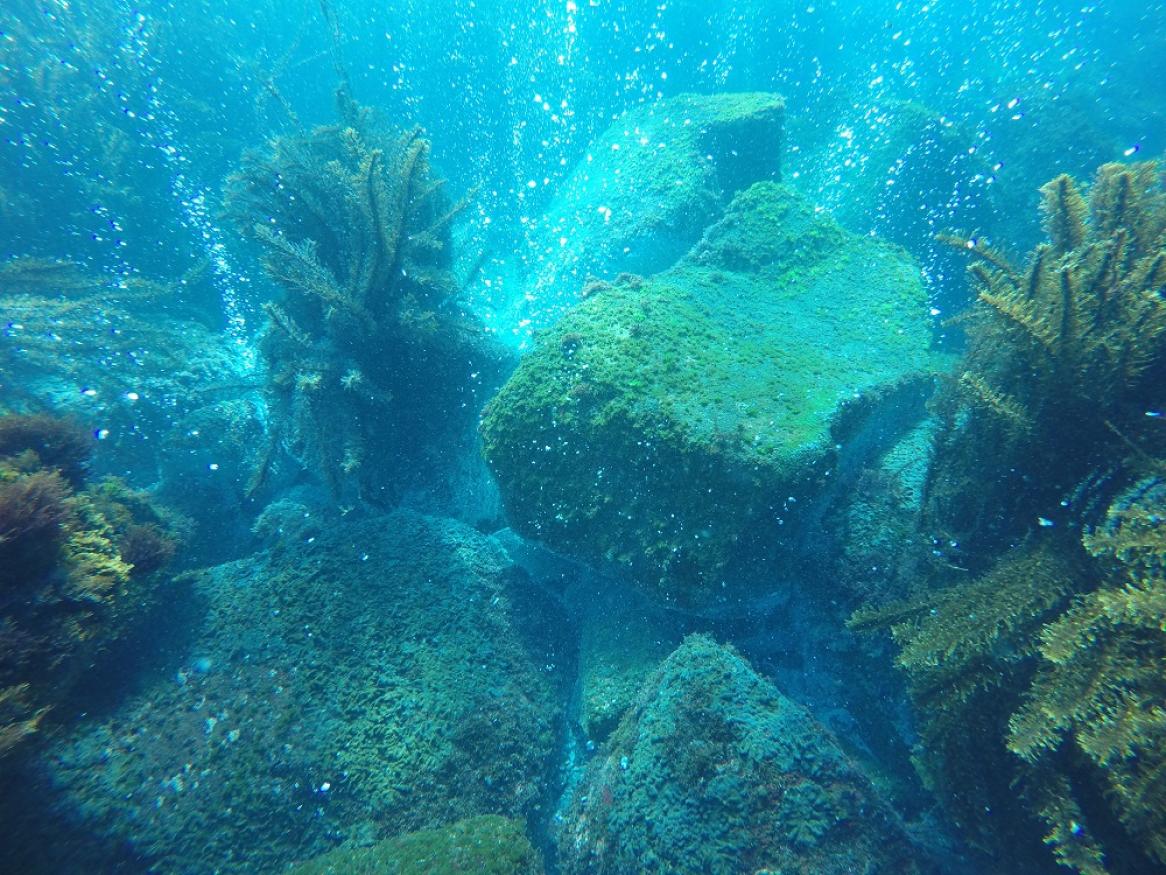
x,y
583,437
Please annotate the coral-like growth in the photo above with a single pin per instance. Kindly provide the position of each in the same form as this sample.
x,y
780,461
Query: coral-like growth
x,y
65,575
355,228
1086,311
807,813
1045,672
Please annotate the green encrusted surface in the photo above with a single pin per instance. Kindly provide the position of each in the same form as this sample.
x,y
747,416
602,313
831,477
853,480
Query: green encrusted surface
x,y
486,845
648,187
360,679
622,639
664,420
713,770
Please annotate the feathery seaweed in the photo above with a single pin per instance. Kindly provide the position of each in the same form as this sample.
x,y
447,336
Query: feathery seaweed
x,y
355,229
1046,671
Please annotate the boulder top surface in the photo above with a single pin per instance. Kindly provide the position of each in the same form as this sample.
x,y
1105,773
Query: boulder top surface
x,y
731,374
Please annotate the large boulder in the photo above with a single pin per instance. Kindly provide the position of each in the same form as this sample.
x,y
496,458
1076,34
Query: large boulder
x,y
714,771
686,428
903,171
358,680
647,189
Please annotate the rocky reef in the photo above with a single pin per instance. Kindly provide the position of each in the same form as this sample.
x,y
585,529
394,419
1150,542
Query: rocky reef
x,y
623,637
713,770
897,168
487,845
357,681
682,426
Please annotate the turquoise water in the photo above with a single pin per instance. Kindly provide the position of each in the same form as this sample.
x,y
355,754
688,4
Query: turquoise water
x,y
582,437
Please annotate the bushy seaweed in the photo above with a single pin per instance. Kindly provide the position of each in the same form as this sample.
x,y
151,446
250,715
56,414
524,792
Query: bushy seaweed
x,y
34,511
1065,358
354,226
1038,664
74,561
59,444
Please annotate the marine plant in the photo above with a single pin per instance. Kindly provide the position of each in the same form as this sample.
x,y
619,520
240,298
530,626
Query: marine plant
x,y
1098,698
1036,655
33,512
60,445
353,225
75,566
1065,354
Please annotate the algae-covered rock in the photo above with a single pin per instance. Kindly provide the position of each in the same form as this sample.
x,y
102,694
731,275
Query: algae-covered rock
x,y
362,681
649,186
485,845
881,533
675,425
714,771
621,641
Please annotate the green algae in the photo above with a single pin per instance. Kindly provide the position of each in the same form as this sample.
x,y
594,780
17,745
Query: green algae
x,y
361,678
714,771
724,376
486,845
650,184
622,640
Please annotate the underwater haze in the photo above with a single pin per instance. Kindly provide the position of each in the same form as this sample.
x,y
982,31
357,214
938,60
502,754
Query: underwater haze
x,y
583,437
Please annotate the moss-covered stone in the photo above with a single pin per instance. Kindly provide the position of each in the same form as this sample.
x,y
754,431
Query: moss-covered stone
x,y
358,680
486,845
649,186
881,539
671,425
900,169
714,771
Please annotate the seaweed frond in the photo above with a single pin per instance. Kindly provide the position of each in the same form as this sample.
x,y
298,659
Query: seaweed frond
x,y
1065,212
1045,673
